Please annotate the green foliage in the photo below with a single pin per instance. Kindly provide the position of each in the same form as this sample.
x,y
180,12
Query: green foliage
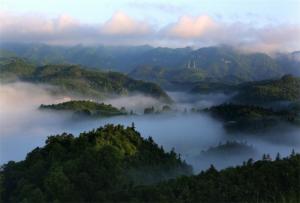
x,y
287,88
230,148
249,118
208,68
213,87
167,77
88,168
262,181
13,68
221,63
73,79
86,108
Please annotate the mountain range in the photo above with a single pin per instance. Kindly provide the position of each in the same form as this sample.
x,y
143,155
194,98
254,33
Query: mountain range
x,y
219,63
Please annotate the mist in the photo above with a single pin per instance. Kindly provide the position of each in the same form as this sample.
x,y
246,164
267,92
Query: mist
x,y
24,127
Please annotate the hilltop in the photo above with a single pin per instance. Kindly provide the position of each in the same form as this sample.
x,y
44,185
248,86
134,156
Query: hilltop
x,y
86,108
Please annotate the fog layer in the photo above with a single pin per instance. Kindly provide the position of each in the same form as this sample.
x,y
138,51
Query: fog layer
x,y
23,127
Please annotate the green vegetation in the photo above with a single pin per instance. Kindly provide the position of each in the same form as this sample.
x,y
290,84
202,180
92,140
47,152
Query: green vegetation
x,y
13,68
89,168
86,108
166,77
213,87
73,79
152,110
250,118
261,181
164,65
213,65
115,164
229,148
287,88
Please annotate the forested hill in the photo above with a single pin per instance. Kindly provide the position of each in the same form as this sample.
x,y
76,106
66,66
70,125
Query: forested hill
x,y
83,108
214,63
115,164
74,79
287,88
89,168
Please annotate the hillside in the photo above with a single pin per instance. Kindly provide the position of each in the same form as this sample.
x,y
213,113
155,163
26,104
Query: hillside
x,y
74,79
166,77
216,64
260,181
85,108
287,88
248,118
12,68
229,148
88,168
115,164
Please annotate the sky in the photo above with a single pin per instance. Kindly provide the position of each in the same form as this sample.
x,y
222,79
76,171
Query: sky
x,y
266,25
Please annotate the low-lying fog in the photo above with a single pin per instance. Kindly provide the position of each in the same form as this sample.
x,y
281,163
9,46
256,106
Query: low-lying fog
x,y
23,127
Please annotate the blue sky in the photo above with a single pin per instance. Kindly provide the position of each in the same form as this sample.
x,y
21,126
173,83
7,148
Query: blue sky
x,y
162,11
254,24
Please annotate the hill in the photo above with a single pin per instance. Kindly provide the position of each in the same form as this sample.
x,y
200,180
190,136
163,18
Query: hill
x,y
88,168
260,181
86,108
74,79
229,148
248,118
115,164
287,88
216,64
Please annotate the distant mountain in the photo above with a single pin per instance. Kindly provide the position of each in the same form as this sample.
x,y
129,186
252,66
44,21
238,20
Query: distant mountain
x,y
166,77
296,56
73,79
214,63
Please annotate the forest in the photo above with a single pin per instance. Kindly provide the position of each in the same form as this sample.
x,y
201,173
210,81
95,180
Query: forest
x,y
86,108
114,163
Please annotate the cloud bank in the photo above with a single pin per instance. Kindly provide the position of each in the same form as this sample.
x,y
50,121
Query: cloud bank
x,y
121,29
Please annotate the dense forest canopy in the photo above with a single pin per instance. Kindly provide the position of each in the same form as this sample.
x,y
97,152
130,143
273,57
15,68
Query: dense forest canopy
x,y
90,167
251,118
114,164
74,79
287,88
86,108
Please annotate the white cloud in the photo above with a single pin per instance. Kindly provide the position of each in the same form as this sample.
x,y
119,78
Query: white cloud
x,y
122,24
122,29
192,27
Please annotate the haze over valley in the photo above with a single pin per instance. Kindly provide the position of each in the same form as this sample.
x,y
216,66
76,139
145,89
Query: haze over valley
x,y
139,101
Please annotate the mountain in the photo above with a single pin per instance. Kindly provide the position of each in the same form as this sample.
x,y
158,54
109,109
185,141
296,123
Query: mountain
x,y
168,78
90,167
214,63
12,68
74,79
287,88
260,181
116,164
251,119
